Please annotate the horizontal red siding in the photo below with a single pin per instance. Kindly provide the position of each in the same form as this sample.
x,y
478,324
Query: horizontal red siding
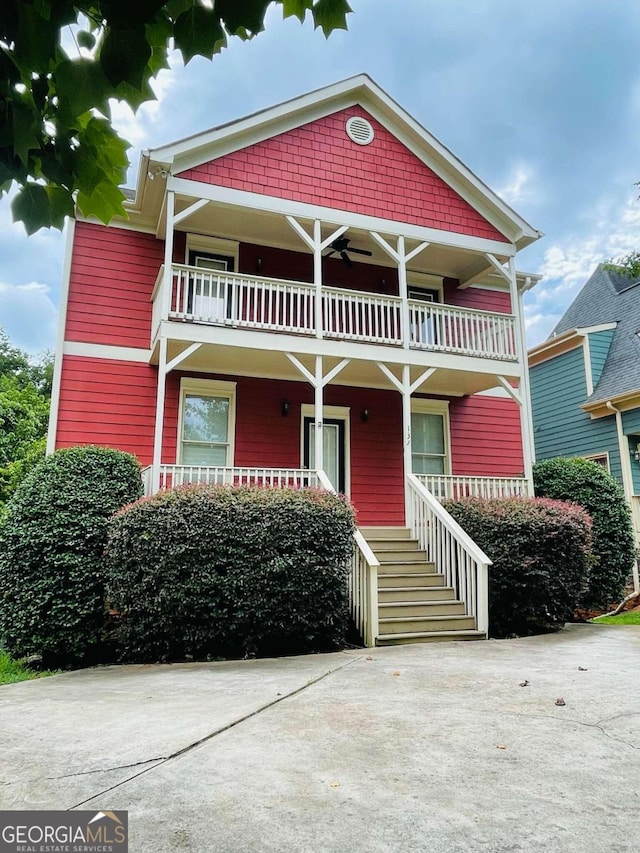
x,y
107,402
485,437
498,301
317,163
113,271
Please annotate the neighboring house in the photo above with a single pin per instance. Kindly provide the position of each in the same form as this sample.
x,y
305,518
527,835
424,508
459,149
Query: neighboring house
x,y
318,294
585,382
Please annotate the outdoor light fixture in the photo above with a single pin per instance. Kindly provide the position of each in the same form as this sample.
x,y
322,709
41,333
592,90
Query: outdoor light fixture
x,y
258,266
364,415
636,453
284,408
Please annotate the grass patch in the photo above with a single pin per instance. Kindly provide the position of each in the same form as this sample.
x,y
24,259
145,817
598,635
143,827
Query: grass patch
x,y
631,617
12,670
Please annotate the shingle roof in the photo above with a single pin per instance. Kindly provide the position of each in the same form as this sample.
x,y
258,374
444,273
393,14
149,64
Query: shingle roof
x,y
609,297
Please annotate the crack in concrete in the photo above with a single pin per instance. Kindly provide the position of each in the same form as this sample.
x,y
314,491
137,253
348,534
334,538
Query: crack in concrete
x,y
599,724
213,734
84,772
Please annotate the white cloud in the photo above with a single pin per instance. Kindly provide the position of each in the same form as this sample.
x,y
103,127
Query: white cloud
x,y
520,186
138,128
28,315
611,233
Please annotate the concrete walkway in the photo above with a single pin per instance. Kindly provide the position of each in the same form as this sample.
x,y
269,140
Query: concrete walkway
x,y
414,748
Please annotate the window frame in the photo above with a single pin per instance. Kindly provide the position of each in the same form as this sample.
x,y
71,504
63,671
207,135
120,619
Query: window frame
x,y
593,457
420,406
216,246
208,388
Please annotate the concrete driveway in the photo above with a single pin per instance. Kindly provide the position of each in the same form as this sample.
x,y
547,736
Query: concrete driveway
x,y
415,748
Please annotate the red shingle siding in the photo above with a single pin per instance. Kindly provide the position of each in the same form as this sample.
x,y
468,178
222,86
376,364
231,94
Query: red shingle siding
x,y
107,402
317,163
498,301
485,437
113,272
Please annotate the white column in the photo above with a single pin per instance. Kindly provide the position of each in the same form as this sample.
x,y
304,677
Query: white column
x,y
157,437
526,421
402,287
167,282
317,276
406,433
318,400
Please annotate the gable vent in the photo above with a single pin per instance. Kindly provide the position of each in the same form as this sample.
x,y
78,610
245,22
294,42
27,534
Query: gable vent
x,y
359,130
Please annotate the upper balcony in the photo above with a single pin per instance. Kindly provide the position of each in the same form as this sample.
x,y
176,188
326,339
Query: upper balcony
x,y
247,302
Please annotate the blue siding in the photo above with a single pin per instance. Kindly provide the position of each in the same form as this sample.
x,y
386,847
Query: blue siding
x,y
560,426
631,426
599,343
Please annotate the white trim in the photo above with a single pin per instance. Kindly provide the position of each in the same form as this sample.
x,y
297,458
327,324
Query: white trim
x,y
422,406
255,340
425,281
588,373
213,246
336,413
498,392
62,322
106,351
356,90
125,225
602,327
273,204
594,456
209,388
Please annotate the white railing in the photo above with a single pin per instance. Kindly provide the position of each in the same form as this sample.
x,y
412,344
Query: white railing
x,y
276,305
456,487
445,328
147,480
463,563
362,583
173,476
248,301
354,316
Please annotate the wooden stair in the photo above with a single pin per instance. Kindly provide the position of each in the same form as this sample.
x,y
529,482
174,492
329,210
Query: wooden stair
x,y
414,605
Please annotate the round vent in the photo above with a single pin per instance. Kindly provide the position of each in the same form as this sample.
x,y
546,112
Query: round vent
x,y
359,130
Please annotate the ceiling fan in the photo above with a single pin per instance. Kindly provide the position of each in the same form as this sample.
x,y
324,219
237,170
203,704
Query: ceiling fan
x,y
341,246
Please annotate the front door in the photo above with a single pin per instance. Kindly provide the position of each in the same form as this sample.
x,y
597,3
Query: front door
x,y
333,442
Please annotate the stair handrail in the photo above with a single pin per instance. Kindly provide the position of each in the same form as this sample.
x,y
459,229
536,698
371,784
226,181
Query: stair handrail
x,y
437,533
363,580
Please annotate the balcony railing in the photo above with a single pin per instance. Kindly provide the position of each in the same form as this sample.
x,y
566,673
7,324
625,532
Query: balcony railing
x,y
173,476
455,487
275,305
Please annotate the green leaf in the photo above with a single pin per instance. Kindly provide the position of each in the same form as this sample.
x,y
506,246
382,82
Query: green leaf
x,y
296,8
41,207
242,19
331,15
25,130
124,54
197,32
86,39
81,85
104,202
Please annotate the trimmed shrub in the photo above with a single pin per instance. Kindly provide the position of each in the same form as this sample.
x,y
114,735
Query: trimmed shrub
x,y
52,541
588,484
541,553
210,571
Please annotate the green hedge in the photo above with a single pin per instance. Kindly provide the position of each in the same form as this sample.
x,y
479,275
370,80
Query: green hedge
x,y
583,482
52,540
541,555
209,571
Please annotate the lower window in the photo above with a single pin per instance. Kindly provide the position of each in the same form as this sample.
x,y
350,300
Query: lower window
x,y
207,422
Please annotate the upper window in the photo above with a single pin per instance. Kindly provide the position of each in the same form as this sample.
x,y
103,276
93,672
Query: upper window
x,y
207,422
209,261
429,437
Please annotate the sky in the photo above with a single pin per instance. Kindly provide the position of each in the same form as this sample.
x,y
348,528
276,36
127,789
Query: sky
x,y
541,100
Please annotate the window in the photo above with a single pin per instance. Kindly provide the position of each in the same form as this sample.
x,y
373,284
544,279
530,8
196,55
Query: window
x,y
429,437
599,459
207,422
424,326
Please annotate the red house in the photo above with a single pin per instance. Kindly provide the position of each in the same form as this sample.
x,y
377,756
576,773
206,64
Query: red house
x,y
317,294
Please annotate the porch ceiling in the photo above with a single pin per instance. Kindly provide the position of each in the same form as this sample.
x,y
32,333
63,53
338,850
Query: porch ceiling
x,y
274,364
272,229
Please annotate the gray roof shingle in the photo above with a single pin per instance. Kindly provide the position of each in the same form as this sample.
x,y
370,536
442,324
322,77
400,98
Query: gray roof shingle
x,y
609,297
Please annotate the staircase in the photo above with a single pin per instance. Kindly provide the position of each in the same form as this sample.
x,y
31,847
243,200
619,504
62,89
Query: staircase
x,y
414,605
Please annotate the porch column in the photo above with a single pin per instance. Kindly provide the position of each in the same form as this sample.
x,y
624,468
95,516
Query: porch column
x,y
317,414
167,281
157,436
402,258
526,420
